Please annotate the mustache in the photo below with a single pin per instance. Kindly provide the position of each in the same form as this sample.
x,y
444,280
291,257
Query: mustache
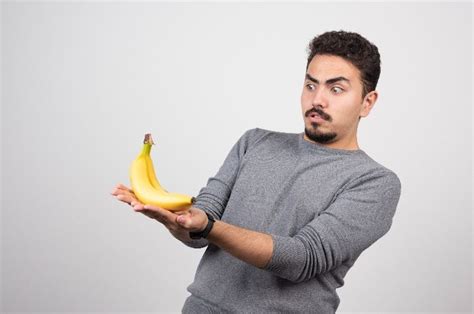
x,y
321,113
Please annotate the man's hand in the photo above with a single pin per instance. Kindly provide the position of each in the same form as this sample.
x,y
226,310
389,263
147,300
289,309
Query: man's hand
x,y
178,223
253,247
126,195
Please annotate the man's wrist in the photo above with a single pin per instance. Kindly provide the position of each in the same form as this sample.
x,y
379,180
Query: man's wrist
x,y
205,232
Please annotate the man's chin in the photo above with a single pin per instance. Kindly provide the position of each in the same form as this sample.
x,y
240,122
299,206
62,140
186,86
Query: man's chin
x,y
318,137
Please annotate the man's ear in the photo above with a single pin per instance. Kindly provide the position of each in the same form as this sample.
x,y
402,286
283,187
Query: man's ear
x,y
368,103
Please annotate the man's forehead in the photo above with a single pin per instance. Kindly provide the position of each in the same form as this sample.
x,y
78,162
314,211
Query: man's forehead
x,y
325,67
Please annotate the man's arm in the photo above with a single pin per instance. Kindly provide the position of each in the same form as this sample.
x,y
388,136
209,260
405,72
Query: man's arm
x,y
249,246
355,220
214,196
359,216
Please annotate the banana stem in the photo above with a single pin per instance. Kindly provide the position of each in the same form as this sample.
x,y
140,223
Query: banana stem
x,y
148,139
148,142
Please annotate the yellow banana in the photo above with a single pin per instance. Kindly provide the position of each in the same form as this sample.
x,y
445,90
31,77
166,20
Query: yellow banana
x,y
146,186
147,144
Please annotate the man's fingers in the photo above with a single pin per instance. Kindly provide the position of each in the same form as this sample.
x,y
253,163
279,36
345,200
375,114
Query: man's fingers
x,y
117,191
161,212
166,217
137,206
153,215
123,187
124,198
182,212
130,200
120,189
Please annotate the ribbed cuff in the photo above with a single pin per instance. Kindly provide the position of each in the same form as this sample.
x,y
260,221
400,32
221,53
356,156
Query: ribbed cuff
x,y
287,259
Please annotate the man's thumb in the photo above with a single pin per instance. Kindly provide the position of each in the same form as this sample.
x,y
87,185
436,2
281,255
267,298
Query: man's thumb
x,y
181,219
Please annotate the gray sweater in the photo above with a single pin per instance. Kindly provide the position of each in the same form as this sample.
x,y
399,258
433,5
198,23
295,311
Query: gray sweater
x,y
322,206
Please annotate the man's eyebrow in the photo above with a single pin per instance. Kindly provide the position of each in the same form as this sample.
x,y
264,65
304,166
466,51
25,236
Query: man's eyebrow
x,y
330,81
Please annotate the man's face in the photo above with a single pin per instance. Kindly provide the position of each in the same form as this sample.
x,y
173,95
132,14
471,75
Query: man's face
x,y
333,90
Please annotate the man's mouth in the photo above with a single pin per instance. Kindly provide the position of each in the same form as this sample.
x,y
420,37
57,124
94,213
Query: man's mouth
x,y
316,117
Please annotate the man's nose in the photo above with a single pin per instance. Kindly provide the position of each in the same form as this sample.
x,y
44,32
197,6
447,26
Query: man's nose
x,y
319,98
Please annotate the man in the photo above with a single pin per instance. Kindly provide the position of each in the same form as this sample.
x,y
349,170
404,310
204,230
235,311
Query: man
x,y
292,212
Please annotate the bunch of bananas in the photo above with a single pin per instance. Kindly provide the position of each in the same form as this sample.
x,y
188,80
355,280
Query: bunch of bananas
x,y
146,186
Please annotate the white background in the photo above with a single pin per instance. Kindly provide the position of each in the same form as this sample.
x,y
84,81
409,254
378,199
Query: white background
x,y
83,82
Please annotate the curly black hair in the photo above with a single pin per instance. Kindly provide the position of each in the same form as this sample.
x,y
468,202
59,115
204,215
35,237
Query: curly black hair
x,y
352,47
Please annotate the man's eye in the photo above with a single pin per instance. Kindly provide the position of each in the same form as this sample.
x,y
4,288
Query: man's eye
x,y
310,86
337,90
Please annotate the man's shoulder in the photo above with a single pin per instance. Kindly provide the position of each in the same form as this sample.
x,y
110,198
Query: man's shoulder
x,y
259,133
267,138
258,130
371,169
377,166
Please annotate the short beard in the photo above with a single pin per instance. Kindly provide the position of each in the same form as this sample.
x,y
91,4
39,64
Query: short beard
x,y
322,138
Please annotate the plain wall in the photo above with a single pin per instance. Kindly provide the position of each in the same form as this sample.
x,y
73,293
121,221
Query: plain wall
x,y
83,82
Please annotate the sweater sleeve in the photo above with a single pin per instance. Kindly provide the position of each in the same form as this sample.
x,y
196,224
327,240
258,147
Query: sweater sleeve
x,y
360,215
214,196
